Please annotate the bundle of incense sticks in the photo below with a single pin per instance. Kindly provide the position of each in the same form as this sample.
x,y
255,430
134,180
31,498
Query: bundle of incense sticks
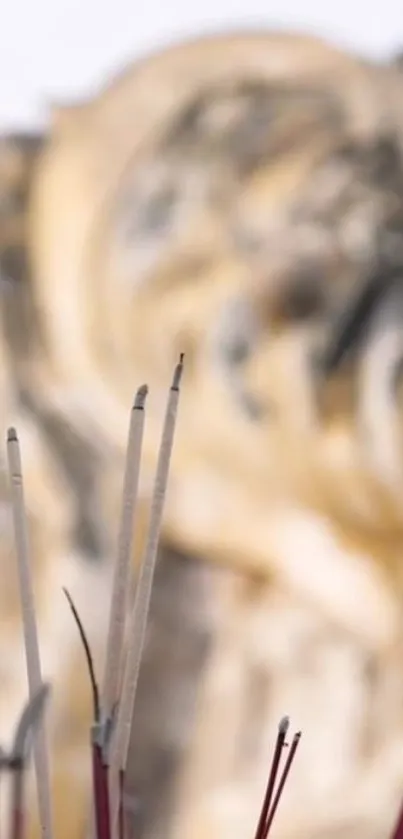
x,y
114,704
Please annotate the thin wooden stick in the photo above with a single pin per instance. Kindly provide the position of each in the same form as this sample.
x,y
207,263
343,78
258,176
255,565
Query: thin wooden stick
x,y
17,827
98,734
139,615
121,824
280,741
30,718
41,754
15,761
284,776
88,656
119,601
100,787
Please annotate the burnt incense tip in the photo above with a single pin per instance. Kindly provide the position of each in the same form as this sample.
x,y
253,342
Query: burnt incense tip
x,y
12,435
284,725
140,398
178,373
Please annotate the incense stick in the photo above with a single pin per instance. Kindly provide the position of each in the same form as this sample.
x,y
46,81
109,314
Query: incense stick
x,y
17,759
101,727
280,741
118,609
41,756
98,734
88,656
138,618
284,776
121,817
17,806
100,787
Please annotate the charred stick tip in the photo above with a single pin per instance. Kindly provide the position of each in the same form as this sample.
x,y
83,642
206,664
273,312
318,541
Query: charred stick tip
x,y
140,398
178,373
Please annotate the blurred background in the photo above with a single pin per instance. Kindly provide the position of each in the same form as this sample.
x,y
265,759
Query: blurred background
x,y
61,51
49,50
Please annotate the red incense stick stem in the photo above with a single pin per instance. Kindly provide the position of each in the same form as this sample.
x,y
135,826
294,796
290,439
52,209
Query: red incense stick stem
x,y
287,767
17,806
121,825
101,793
282,731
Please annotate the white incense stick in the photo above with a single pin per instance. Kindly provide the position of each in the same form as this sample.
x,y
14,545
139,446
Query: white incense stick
x,y
35,682
139,615
119,601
